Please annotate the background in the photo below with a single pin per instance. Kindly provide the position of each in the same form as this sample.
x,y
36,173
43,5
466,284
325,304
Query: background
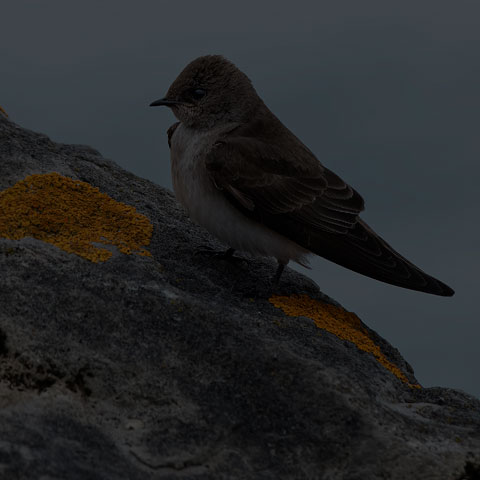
x,y
385,93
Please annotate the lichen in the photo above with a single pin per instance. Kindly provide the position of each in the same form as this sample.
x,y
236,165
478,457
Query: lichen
x,y
72,215
336,320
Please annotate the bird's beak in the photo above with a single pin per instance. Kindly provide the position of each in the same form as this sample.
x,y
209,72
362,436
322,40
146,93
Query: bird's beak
x,y
165,101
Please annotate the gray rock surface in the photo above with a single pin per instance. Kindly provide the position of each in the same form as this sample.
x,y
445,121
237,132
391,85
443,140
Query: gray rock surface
x,y
178,366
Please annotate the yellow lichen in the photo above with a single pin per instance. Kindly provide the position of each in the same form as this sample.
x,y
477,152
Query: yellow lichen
x,y
336,320
3,111
72,215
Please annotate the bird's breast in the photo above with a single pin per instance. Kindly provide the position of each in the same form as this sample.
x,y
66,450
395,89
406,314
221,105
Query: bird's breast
x,y
207,205
190,180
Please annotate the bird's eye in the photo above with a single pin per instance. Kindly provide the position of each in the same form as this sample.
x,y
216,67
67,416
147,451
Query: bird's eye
x,y
198,93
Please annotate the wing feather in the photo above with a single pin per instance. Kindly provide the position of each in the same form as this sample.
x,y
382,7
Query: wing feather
x,y
311,194
267,173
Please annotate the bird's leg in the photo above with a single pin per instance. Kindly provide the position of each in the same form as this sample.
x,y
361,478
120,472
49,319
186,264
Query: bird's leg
x,y
278,273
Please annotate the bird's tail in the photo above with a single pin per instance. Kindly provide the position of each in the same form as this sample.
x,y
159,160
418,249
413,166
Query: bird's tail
x,y
363,251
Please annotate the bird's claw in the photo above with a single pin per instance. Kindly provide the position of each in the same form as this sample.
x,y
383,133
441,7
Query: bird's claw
x,y
226,255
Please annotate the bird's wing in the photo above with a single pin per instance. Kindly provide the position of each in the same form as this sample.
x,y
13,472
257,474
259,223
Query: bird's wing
x,y
263,180
286,188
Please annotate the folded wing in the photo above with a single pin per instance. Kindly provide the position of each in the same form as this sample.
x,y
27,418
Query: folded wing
x,y
285,187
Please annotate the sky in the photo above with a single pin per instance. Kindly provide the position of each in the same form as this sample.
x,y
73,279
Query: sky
x,y
385,93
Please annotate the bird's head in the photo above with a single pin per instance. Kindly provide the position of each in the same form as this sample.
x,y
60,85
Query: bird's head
x,y
210,91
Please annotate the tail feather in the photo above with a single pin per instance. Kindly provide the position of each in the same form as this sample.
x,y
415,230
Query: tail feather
x,y
363,251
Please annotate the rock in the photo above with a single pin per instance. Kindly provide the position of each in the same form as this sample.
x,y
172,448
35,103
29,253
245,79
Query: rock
x,y
126,354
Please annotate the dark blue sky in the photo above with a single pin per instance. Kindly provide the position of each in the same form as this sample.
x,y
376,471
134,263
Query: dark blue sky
x,y
385,93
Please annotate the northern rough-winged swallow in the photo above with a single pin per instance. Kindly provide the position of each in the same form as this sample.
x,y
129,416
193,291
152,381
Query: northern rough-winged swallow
x,y
253,184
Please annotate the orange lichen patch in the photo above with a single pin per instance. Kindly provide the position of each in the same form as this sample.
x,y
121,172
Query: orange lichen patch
x,y
3,111
72,215
336,320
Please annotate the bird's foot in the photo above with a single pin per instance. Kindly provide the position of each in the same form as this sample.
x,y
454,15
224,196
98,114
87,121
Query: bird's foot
x,y
278,274
226,255
267,288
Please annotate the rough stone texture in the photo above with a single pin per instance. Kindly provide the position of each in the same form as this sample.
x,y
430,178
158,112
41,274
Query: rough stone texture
x,y
177,366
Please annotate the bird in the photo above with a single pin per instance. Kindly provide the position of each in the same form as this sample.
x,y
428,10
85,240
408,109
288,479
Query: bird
x,y
245,177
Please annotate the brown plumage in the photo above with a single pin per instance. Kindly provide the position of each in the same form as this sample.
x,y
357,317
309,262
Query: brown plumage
x,y
266,173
